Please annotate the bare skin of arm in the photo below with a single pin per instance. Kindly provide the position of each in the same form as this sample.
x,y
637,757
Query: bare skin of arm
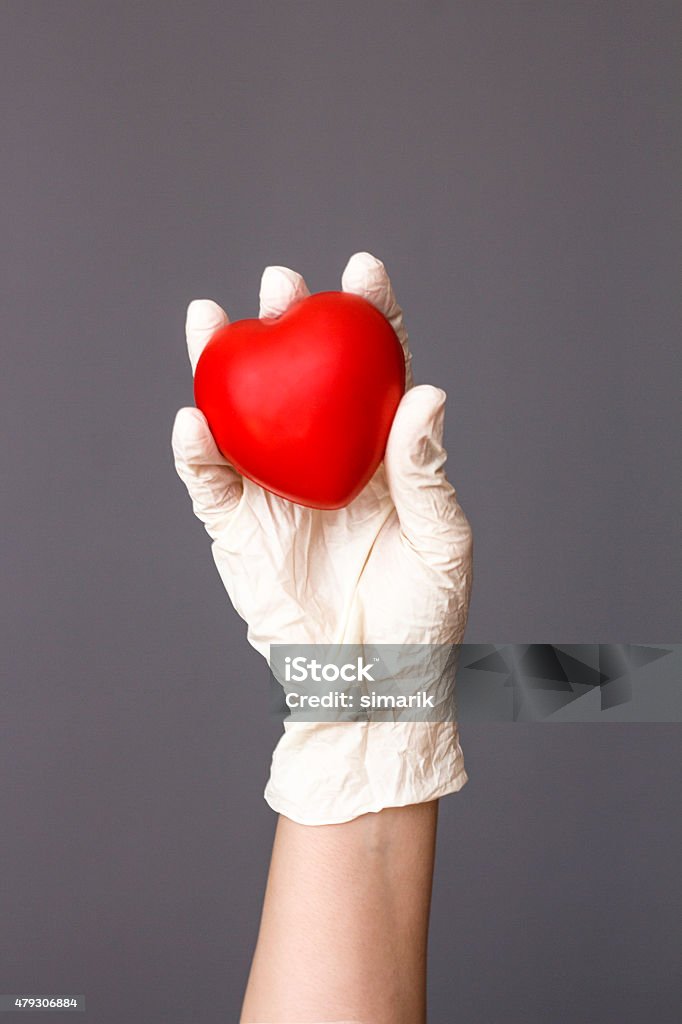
x,y
343,933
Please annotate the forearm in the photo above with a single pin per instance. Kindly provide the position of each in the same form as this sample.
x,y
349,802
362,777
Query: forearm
x,y
344,927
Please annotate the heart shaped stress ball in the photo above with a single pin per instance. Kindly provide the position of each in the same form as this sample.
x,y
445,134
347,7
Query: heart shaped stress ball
x,y
302,404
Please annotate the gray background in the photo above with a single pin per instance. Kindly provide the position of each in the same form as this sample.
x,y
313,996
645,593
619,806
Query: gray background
x,y
515,165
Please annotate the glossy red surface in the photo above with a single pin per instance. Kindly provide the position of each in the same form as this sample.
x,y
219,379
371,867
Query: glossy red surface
x,y
303,404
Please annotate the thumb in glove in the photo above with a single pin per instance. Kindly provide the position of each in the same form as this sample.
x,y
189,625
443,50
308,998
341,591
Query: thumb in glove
x,y
431,520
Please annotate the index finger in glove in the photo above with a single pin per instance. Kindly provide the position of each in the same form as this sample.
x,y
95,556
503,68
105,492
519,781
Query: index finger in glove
x,y
431,519
366,276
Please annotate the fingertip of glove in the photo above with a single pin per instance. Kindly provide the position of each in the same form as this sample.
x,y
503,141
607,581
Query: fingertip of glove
x,y
361,267
279,287
418,424
204,313
424,399
276,273
364,259
189,426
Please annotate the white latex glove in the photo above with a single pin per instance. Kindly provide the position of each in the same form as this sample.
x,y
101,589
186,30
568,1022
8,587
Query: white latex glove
x,y
393,567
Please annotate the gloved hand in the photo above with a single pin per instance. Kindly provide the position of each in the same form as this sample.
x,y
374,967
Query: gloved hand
x,y
394,567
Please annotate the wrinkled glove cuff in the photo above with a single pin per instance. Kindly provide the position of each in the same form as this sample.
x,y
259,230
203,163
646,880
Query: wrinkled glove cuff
x,y
326,774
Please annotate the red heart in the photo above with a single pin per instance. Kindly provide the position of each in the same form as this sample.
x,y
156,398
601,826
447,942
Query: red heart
x,y
302,404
